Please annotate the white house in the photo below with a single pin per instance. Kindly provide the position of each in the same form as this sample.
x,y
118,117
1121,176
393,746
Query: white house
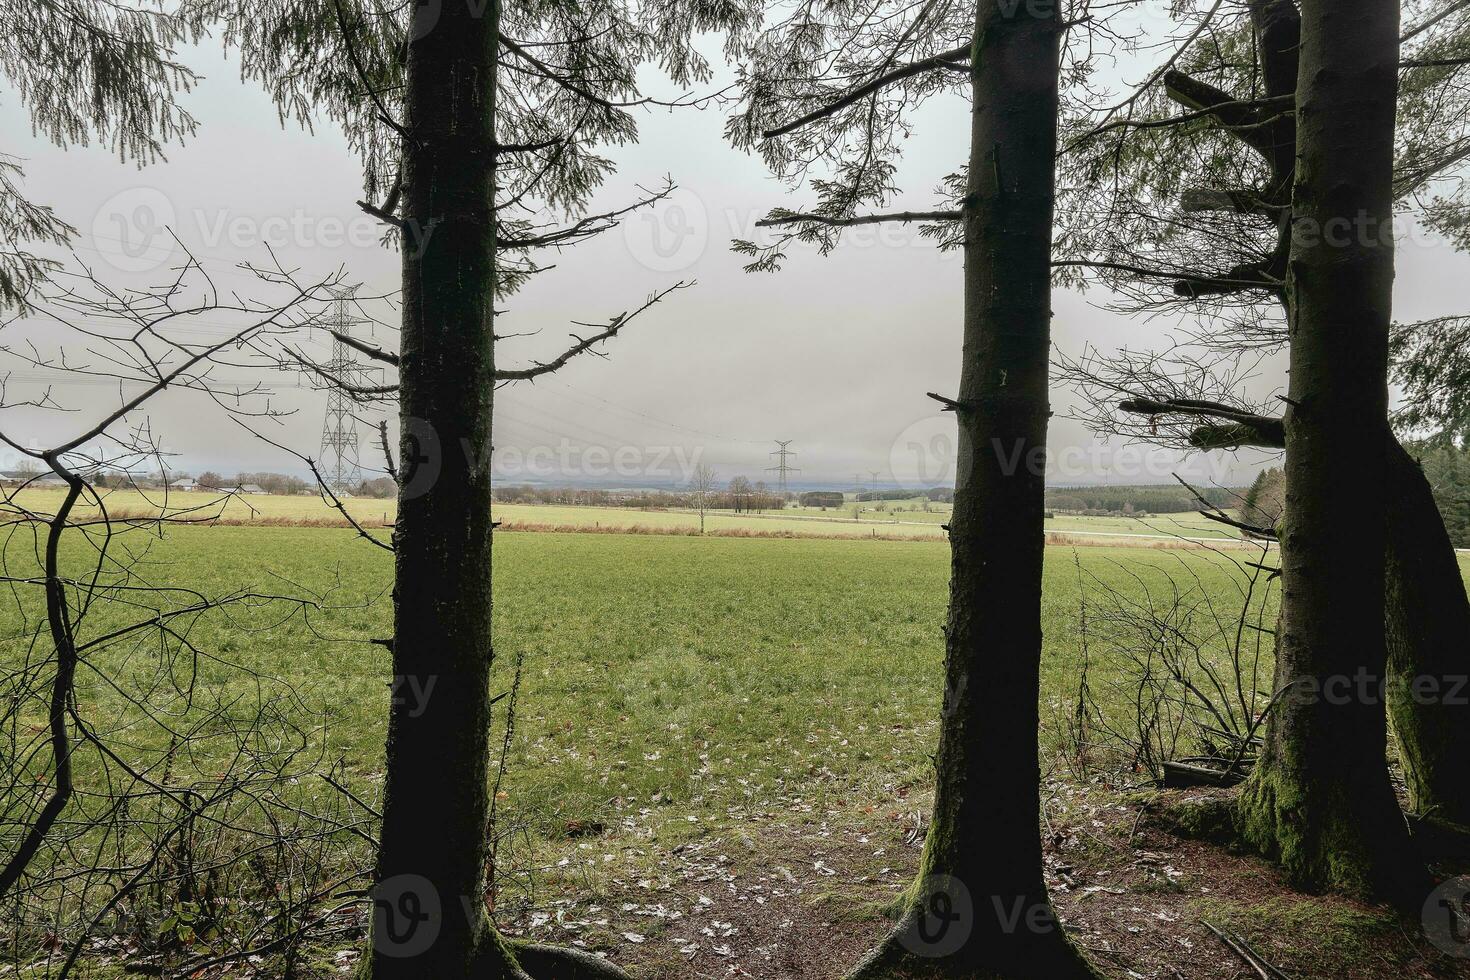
x,y
186,485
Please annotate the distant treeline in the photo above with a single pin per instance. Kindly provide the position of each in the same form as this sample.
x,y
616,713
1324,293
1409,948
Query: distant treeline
x,y
752,501
1447,468
1138,500
865,496
286,485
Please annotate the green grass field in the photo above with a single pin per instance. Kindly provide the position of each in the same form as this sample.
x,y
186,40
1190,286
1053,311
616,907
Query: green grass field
x,y
722,705
703,673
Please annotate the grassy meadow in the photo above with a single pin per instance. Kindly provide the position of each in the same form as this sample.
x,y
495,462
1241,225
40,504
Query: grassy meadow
x,y
691,712
702,676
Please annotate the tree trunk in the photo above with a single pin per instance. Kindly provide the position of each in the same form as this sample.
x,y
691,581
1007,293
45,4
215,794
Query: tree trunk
x,y
1428,619
429,913
1319,801
980,905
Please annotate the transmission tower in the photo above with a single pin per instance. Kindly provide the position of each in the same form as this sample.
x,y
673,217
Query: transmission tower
x,y
782,468
339,459
876,474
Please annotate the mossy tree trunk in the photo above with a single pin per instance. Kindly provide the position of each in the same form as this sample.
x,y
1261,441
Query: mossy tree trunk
x,y
979,907
1428,615
1319,801
429,913
1428,618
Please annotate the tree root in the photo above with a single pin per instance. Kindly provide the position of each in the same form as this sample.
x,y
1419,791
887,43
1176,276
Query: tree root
x,y
1018,955
1210,818
543,962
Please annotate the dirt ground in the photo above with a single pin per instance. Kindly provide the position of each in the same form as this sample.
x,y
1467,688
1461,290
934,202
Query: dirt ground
x,y
801,896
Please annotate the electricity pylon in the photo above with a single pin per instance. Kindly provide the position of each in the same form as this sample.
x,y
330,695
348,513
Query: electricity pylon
x,y
339,459
782,468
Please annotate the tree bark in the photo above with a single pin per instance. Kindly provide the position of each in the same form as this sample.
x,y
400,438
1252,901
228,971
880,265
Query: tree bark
x,y
979,906
1427,621
1319,801
429,914
1428,618
1428,614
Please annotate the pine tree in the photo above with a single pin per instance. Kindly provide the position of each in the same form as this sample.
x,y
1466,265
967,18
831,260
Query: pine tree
x,y
1319,801
979,905
85,72
468,117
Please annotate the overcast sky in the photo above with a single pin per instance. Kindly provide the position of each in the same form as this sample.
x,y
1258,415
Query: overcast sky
x,y
833,353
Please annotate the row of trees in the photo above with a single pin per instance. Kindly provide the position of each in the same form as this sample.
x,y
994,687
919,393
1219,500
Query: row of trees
x,y
1139,500
738,495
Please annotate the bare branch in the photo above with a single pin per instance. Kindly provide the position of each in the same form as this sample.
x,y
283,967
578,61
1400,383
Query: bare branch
x,y
585,344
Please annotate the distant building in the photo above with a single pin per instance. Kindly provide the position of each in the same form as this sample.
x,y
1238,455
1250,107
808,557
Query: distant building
x,y
252,488
186,485
17,478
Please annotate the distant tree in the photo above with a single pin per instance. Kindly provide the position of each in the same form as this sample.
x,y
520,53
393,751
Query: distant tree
x,y
381,488
281,484
1265,501
1447,467
213,481
702,485
740,493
